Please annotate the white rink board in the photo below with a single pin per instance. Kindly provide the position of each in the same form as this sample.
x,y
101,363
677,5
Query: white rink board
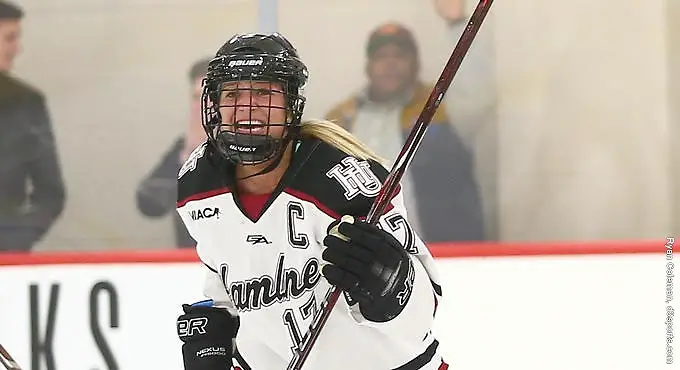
x,y
510,313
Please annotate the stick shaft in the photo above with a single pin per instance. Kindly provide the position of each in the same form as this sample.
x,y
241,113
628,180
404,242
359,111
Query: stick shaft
x,y
7,361
402,162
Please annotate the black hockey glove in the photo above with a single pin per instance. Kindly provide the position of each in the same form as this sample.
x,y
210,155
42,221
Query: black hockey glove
x,y
370,265
207,333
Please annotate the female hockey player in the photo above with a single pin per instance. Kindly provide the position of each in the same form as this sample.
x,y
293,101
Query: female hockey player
x,y
276,205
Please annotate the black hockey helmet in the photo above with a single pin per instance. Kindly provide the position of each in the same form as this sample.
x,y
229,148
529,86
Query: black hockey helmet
x,y
244,60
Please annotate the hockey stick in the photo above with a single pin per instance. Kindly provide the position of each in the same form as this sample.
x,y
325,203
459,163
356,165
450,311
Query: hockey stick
x,y
404,158
7,361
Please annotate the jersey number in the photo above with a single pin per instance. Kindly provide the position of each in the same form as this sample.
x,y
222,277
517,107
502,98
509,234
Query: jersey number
x,y
307,310
396,222
190,163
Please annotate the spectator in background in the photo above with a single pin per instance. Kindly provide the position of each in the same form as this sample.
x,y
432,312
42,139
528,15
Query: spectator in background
x,y
440,188
157,194
32,193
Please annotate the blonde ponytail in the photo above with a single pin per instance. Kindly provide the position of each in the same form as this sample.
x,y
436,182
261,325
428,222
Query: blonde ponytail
x,y
338,137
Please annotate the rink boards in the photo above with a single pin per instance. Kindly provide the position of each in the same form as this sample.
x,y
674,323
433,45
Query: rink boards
x,y
549,312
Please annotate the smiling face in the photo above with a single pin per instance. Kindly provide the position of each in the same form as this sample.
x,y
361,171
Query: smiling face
x,y
253,108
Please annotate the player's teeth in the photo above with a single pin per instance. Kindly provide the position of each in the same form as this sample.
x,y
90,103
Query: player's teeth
x,y
250,123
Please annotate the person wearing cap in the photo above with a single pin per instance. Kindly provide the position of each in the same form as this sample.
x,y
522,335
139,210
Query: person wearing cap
x,y
441,191
32,192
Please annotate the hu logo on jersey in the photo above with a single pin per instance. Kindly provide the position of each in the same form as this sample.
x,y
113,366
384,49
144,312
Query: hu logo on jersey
x,y
263,291
356,178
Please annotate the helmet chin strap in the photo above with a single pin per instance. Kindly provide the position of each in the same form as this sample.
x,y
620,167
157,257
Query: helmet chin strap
x,y
292,134
275,163
241,153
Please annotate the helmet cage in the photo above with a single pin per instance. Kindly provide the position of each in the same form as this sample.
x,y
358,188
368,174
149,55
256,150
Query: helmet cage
x,y
251,144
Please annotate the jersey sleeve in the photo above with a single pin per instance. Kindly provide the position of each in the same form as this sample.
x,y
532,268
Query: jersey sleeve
x,y
395,221
416,319
213,286
351,190
196,178
346,185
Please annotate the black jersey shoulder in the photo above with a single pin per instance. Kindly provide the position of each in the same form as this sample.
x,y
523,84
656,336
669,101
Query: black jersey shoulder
x,y
327,168
200,176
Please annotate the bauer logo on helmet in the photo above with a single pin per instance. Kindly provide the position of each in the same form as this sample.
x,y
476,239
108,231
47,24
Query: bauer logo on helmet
x,y
245,62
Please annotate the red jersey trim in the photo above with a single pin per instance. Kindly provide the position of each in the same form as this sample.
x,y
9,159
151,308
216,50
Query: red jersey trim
x,y
203,195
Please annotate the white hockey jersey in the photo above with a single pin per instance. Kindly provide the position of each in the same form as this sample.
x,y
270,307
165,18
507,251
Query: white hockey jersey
x,y
267,270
